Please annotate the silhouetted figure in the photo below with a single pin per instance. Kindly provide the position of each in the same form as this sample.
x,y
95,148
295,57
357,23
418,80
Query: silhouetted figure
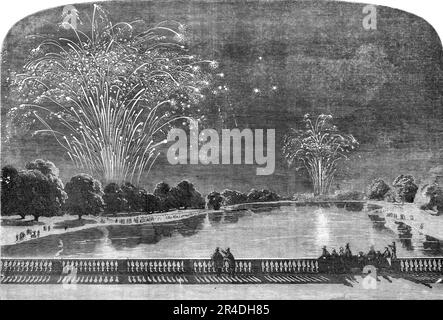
x,y
229,258
334,260
324,260
379,258
325,253
217,259
387,256
342,259
371,255
361,259
348,253
394,250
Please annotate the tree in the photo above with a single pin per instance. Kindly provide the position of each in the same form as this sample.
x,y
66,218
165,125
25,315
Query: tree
x,y
231,197
152,203
185,189
114,199
49,169
36,195
8,197
268,195
161,191
134,196
264,195
253,195
318,148
140,200
435,195
188,196
214,200
46,167
84,196
197,200
405,188
378,189
108,93
173,199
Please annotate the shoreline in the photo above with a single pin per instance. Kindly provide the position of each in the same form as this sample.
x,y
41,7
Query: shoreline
x,y
154,218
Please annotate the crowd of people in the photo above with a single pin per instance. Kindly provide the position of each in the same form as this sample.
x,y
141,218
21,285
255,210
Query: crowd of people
x,y
223,259
31,234
344,260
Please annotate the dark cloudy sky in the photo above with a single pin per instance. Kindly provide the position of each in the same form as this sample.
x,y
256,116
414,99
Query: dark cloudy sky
x,y
281,60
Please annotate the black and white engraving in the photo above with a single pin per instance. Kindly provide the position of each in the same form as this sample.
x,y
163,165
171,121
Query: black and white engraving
x,y
222,149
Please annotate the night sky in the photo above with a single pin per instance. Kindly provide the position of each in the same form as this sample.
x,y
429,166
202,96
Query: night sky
x,y
281,60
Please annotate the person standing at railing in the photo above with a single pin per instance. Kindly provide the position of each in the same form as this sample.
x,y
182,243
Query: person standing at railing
x,y
334,261
371,255
348,252
387,255
394,250
217,259
229,258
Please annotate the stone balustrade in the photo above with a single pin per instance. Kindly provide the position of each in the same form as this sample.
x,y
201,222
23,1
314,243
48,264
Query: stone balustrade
x,y
420,265
193,266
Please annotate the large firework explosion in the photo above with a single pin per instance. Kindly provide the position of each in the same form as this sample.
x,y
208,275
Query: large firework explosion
x,y
318,148
108,94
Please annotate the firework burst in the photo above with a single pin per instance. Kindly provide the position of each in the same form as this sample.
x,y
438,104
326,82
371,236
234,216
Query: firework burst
x,y
318,148
109,94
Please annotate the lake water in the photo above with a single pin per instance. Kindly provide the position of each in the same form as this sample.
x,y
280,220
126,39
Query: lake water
x,y
278,233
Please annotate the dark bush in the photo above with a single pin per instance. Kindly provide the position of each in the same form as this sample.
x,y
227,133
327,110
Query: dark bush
x,y
391,196
162,192
197,200
214,200
435,194
173,199
84,196
262,196
114,199
405,188
377,189
267,196
254,195
152,203
135,197
185,196
232,197
350,195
